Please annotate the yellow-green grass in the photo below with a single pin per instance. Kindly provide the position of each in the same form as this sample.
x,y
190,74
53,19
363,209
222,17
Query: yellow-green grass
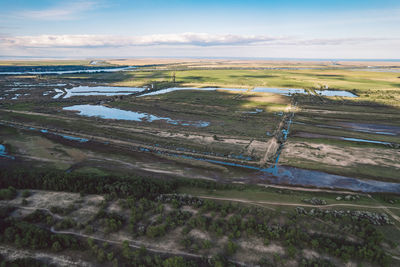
x,y
338,79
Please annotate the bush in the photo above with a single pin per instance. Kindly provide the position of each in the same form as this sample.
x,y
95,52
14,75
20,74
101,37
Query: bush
x,y
26,193
8,193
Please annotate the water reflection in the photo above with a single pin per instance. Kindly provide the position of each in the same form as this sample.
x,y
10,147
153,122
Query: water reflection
x,y
118,114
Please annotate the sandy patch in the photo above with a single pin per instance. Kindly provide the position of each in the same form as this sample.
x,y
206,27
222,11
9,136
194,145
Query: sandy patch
x,y
340,156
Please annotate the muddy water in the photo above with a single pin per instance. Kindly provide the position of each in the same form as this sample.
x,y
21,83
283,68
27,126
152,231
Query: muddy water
x,y
320,179
301,177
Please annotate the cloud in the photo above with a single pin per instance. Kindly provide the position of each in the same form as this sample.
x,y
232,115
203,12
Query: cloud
x,y
184,39
67,11
196,39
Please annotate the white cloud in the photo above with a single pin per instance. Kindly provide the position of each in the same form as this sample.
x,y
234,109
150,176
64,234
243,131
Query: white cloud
x,y
198,39
68,11
184,39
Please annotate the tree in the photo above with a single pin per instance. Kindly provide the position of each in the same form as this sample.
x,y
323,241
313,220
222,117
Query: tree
x,y
231,248
175,262
110,256
126,251
56,247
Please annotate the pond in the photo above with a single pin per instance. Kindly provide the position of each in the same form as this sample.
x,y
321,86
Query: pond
x,y
119,114
281,91
168,90
291,91
335,93
101,90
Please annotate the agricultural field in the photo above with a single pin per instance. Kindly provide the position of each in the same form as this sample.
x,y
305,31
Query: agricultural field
x,y
200,162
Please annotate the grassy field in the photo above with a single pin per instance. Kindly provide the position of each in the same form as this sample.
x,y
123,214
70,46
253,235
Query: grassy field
x,y
229,113
310,78
377,87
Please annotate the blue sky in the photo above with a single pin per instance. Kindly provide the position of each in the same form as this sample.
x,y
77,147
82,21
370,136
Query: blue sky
x,y
286,28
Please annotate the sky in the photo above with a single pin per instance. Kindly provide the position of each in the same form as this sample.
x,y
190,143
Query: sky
x,y
328,29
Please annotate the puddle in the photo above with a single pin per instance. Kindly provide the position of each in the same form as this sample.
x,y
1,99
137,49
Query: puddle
x,y
16,96
4,154
119,114
372,128
68,137
101,90
291,91
281,91
91,70
335,93
364,141
323,136
59,93
258,110
72,138
168,90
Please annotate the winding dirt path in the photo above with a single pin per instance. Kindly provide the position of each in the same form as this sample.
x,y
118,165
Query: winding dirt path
x,y
298,188
295,204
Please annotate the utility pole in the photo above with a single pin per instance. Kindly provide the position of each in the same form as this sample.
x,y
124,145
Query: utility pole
x,y
173,76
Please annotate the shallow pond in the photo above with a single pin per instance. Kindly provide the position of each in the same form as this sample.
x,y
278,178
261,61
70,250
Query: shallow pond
x,y
119,114
335,93
281,91
291,91
101,90
168,90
